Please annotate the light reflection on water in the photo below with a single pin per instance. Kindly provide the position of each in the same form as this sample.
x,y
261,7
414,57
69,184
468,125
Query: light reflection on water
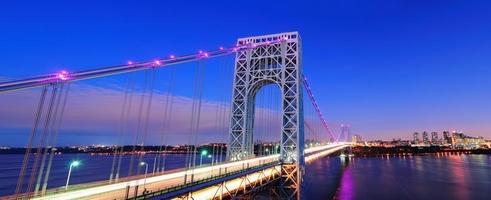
x,y
410,177
415,177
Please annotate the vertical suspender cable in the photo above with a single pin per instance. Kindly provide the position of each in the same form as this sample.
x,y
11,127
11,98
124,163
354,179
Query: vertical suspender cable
x,y
199,87
190,148
121,130
137,134
55,138
195,118
42,138
27,153
168,110
147,118
125,126
49,137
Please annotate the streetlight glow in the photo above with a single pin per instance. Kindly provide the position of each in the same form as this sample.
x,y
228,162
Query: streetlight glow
x,y
75,163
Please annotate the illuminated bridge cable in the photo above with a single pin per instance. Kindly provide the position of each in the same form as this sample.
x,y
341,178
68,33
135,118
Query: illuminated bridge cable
x,y
221,127
120,131
195,116
214,151
223,130
55,137
49,136
165,124
316,106
138,126
147,117
169,113
30,141
125,123
42,139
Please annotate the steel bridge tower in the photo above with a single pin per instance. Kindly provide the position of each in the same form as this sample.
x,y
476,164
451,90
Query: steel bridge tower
x,y
271,59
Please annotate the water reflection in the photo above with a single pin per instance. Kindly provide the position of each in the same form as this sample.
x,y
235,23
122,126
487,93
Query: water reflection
x,y
411,177
458,176
346,188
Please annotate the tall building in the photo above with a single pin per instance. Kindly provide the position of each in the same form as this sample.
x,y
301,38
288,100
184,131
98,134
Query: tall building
x,y
415,138
434,138
425,138
447,139
462,141
356,139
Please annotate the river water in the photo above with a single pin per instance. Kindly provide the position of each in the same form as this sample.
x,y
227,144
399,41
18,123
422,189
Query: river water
x,y
415,177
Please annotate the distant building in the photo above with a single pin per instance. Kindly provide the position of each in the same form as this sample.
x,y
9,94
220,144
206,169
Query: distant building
x,y
400,143
415,138
462,141
458,140
356,139
425,138
434,138
447,139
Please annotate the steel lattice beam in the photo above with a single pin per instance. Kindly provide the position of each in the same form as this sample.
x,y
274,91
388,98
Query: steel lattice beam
x,y
278,64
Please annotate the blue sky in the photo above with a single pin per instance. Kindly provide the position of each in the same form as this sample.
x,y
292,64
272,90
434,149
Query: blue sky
x,y
388,68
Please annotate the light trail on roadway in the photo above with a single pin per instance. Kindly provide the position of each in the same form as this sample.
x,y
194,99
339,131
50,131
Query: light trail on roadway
x,y
159,182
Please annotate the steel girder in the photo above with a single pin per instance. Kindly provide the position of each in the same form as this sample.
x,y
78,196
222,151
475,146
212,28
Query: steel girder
x,y
277,63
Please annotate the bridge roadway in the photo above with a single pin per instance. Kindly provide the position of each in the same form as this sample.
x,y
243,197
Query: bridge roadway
x,y
175,178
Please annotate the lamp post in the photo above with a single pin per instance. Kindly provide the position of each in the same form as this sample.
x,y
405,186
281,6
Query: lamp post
x,y
203,153
267,151
75,163
145,178
211,157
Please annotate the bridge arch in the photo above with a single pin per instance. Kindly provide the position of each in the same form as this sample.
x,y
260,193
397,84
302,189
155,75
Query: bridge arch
x,y
251,108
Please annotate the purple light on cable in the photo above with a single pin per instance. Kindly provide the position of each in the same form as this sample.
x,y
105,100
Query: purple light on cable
x,y
221,48
172,56
157,62
205,54
63,75
130,63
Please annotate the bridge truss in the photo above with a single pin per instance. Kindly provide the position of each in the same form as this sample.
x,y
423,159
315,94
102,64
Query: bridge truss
x,y
277,64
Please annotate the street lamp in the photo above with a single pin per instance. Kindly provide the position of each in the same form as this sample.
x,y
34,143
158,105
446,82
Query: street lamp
x,y
212,159
267,151
203,153
75,163
145,178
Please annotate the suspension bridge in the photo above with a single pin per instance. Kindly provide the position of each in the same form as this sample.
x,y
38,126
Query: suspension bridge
x,y
258,155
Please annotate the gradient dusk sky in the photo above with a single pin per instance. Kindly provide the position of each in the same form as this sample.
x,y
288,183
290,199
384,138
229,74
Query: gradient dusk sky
x,y
387,68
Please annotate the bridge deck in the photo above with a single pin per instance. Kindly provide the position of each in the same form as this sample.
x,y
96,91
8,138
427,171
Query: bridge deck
x,y
178,178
